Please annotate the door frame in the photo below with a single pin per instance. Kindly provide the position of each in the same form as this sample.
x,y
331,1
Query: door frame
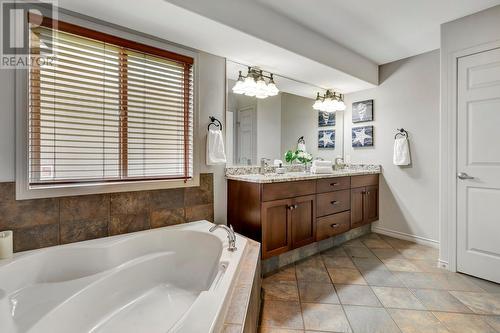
x,y
448,137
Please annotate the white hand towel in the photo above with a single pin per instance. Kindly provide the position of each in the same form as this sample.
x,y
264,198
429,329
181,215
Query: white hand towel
x,y
401,152
215,148
321,169
319,163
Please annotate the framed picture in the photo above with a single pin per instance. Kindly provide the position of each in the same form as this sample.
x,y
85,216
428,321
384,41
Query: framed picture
x,y
362,136
326,119
326,139
362,111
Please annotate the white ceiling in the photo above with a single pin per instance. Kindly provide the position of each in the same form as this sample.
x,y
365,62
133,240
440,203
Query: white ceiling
x,y
381,30
171,22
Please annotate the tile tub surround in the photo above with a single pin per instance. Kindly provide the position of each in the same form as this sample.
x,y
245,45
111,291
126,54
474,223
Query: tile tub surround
x,y
275,263
251,174
443,302
48,222
243,311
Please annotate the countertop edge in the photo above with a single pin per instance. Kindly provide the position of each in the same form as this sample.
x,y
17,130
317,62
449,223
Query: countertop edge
x,y
244,178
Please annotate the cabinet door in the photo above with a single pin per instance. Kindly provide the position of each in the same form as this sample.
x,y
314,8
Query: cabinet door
x,y
357,207
303,220
371,204
276,227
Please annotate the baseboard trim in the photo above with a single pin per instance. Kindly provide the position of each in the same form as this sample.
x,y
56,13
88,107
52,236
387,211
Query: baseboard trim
x,y
408,237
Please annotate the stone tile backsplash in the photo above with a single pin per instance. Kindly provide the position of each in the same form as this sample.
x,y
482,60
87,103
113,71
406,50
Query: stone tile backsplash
x,y
47,222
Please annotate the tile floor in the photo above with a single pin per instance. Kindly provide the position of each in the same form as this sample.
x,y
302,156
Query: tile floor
x,y
377,284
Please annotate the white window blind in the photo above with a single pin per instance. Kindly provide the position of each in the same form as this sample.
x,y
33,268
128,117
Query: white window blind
x,y
104,112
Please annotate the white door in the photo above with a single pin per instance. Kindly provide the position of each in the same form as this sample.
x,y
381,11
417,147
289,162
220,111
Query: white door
x,y
246,136
478,198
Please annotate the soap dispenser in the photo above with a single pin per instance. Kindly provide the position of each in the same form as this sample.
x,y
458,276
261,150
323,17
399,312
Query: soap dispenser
x,y
280,170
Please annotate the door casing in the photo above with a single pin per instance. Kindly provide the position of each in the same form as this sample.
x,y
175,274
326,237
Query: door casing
x,y
448,153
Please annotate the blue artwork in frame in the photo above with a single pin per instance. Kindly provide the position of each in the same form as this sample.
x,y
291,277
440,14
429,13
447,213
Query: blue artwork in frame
x,y
326,119
362,136
326,139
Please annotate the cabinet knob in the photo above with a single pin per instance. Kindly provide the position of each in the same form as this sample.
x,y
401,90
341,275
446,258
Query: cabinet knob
x,y
334,184
334,202
364,192
334,225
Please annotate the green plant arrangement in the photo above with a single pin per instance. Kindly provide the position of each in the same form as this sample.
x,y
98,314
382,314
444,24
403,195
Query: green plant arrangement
x,y
299,155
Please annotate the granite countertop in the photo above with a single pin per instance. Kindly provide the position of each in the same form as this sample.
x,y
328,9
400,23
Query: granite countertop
x,y
294,176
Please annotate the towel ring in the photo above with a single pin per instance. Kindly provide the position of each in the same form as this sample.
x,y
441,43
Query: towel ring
x,y
214,121
402,132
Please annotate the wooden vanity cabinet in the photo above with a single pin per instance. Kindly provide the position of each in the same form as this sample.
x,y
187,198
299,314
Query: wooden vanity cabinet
x,y
287,224
288,215
364,200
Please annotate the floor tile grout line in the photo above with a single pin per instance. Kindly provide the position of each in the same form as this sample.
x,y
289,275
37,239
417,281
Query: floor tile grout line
x,y
351,329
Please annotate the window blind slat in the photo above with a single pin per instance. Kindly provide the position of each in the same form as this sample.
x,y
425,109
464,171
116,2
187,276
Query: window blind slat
x,y
102,112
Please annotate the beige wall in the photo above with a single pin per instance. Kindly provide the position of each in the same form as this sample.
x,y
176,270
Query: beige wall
x,y
408,97
212,96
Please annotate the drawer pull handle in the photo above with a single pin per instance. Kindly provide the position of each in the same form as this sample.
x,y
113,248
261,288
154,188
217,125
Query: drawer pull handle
x,y
334,225
292,207
334,202
334,184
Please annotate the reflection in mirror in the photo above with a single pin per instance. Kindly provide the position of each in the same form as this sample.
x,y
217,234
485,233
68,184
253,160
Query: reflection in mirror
x,y
269,127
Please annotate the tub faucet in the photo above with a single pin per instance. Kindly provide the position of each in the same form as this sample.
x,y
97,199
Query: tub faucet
x,y
231,236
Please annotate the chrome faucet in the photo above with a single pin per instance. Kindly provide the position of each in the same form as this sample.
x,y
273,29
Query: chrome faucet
x,y
263,165
231,236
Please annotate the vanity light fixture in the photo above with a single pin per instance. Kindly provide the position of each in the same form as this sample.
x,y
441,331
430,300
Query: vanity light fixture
x,y
254,84
329,102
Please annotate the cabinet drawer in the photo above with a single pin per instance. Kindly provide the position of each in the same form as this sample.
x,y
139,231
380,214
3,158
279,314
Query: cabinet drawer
x,y
365,180
285,190
333,184
333,202
332,225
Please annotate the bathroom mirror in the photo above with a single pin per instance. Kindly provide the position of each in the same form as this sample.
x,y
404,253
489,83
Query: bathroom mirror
x,y
268,127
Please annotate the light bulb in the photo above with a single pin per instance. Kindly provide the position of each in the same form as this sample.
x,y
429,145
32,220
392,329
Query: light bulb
x,y
239,87
261,88
342,106
335,105
250,86
317,104
272,90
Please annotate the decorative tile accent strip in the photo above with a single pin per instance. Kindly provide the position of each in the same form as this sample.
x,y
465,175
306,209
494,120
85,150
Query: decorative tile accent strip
x,y
47,222
275,263
246,174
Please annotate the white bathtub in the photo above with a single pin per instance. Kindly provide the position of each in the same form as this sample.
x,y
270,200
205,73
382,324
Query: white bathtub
x,y
174,279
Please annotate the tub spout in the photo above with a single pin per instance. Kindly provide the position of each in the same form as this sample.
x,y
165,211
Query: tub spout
x,y
231,236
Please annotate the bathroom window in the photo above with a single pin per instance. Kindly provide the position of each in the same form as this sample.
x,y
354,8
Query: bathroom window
x,y
107,110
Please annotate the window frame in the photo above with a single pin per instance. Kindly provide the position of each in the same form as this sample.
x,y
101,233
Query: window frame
x,y
125,39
